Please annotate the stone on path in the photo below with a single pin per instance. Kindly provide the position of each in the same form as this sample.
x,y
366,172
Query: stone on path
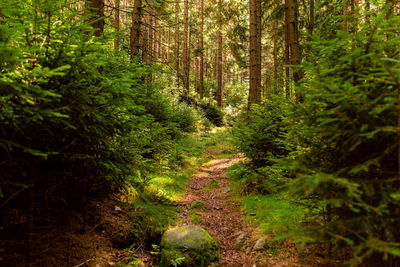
x,y
240,240
260,244
191,242
226,190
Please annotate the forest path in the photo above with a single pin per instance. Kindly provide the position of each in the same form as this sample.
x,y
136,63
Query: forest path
x,y
221,215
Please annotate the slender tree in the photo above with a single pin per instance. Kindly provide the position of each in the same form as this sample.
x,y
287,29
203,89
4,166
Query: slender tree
x,y
177,41
96,10
185,56
135,29
116,24
201,86
255,52
295,52
275,40
219,58
151,31
287,56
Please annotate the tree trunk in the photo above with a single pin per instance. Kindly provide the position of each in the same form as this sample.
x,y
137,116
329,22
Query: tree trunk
x,y
255,52
275,53
287,56
345,13
156,38
295,53
116,24
185,59
96,10
177,41
219,68
151,32
219,59
135,30
312,19
201,88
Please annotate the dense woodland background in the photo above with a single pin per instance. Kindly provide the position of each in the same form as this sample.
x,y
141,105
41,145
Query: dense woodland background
x,y
98,96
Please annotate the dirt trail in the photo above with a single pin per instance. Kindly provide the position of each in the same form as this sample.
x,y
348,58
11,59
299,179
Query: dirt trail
x,y
221,216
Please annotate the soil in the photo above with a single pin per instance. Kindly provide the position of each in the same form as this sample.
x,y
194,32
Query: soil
x,y
222,217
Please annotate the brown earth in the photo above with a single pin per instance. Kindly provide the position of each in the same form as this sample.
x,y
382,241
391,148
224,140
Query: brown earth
x,y
222,217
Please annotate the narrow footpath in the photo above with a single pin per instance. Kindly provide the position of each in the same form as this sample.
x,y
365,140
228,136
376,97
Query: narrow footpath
x,y
221,216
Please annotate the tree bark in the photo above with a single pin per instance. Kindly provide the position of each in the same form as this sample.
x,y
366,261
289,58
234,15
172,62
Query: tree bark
x,y
201,87
116,24
255,52
219,68
151,32
96,10
177,42
135,30
275,53
295,52
185,59
287,56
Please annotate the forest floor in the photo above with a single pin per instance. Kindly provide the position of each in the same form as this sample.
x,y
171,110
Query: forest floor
x,y
223,217
107,239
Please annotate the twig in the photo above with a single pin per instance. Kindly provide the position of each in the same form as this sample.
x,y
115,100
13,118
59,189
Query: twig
x,y
85,262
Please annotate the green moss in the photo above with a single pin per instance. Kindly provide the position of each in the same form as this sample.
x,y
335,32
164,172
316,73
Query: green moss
x,y
197,204
196,219
191,242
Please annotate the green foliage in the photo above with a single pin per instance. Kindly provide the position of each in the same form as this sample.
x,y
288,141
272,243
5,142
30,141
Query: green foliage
x,y
262,180
76,118
278,214
213,113
178,261
339,145
344,140
259,133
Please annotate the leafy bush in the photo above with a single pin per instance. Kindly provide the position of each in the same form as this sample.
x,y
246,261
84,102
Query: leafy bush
x,y
213,113
259,133
185,118
75,118
345,135
261,181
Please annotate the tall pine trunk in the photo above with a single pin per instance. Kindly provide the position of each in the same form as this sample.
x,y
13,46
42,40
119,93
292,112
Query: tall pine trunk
x,y
219,69
135,30
255,52
151,32
219,58
275,25
287,56
201,86
116,24
185,57
96,10
177,42
295,52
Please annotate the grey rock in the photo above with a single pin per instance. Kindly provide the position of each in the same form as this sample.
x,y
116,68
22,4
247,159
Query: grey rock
x,y
226,190
260,244
191,242
240,240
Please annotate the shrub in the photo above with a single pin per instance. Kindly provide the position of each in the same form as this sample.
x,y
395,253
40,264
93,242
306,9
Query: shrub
x,y
345,135
259,133
213,113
